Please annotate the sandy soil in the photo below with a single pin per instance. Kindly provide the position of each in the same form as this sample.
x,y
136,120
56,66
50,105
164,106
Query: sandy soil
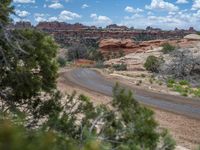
x,y
185,130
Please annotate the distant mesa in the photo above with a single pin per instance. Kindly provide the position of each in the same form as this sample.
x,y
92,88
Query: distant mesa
x,y
120,36
116,27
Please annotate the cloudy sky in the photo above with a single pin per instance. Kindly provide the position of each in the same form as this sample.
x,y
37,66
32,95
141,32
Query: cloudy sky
x,y
166,14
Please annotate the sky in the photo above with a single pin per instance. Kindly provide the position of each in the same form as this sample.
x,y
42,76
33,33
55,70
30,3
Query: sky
x,y
165,14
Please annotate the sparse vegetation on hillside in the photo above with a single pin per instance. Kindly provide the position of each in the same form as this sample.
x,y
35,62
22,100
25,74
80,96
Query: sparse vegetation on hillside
x,y
81,51
167,48
183,87
120,67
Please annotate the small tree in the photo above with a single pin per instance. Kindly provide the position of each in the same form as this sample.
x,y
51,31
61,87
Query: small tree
x,y
152,64
61,61
167,48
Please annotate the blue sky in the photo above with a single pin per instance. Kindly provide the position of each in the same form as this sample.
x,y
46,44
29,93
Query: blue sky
x,y
166,14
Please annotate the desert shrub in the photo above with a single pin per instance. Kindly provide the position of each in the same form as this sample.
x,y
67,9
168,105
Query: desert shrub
x,y
120,67
184,94
183,82
143,75
197,92
168,140
61,61
170,83
152,64
160,83
139,83
121,53
100,64
94,54
151,80
167,48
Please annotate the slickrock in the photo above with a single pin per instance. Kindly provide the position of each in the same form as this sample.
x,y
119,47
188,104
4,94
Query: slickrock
x,y
192,37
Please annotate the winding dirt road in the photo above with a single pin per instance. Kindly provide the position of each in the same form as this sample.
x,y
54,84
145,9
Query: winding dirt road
x,y
93,81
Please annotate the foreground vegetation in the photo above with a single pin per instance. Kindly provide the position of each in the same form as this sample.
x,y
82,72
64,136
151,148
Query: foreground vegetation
x,y
35,115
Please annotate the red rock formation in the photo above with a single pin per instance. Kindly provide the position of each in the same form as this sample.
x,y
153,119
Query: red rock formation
x,y
108,46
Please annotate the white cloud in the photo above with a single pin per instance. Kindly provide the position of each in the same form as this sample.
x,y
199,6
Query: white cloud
x,y
39,17
135,16
100,20
53,19
63,16
24,1
196,5
182,19
56,5
149,13
182,1
94,16
132,10
68,15
161,5
22,13
84,6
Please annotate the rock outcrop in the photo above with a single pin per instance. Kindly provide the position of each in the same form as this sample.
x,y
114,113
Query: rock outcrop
x,y
127,45
106,46
192,37
116,43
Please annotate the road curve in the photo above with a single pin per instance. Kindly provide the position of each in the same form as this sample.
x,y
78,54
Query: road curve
x,y
93,81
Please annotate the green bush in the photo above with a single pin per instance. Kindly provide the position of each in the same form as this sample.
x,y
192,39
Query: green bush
x,y
167,48
120,67
197,93
183,82
172,81
61,61
152,64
